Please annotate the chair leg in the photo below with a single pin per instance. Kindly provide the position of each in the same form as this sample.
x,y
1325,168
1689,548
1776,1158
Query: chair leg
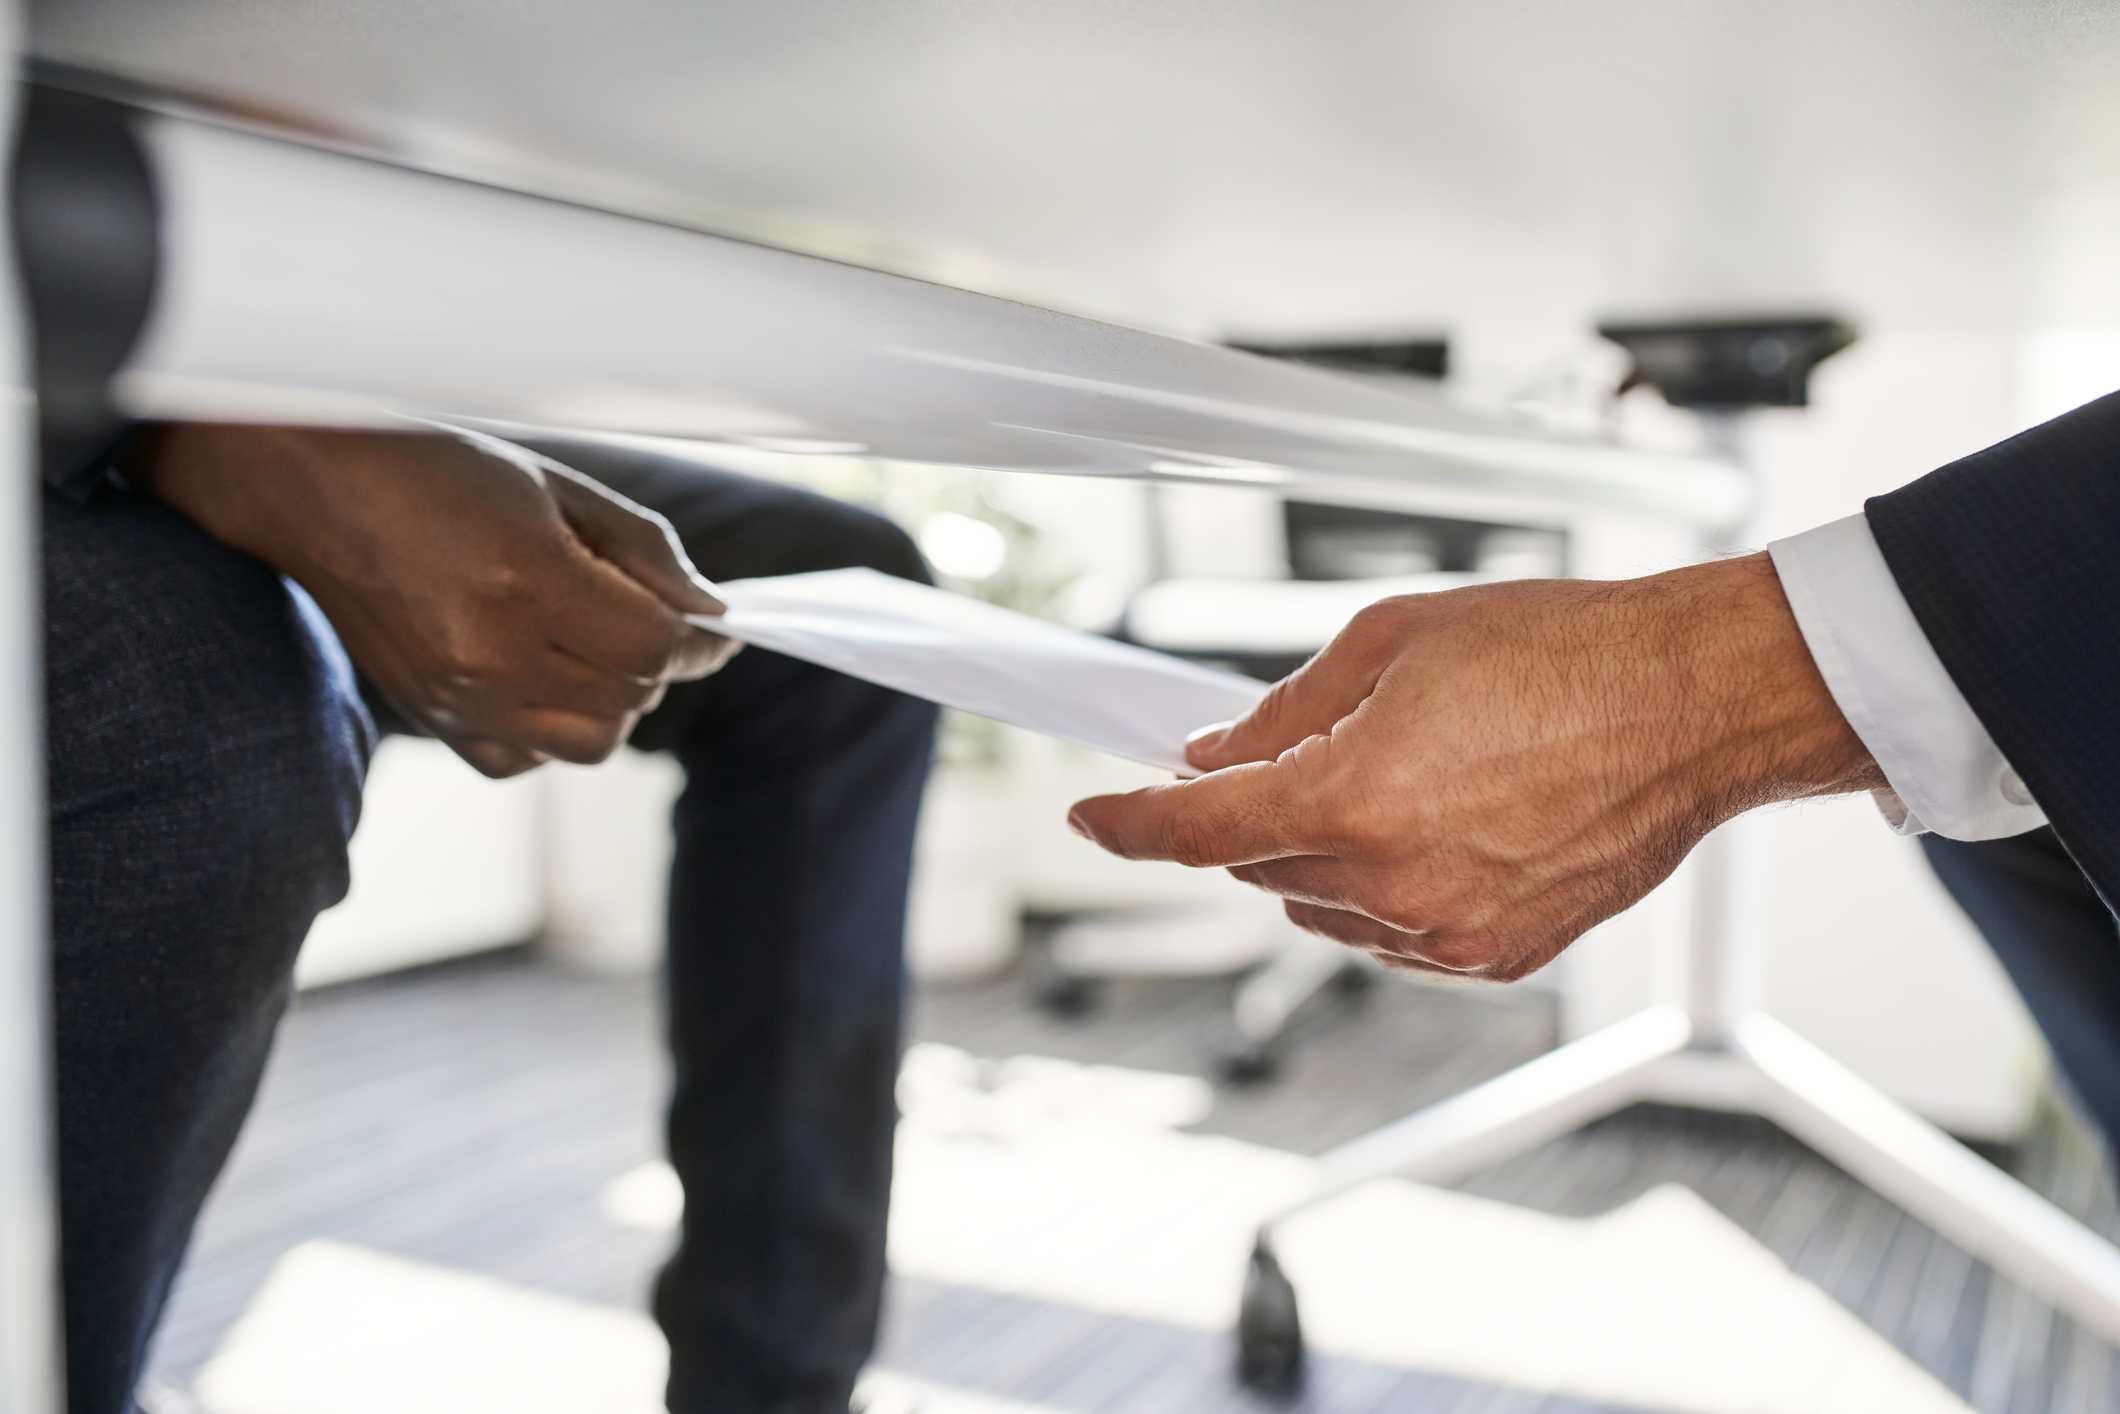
x,y
1535,1102
1940,1181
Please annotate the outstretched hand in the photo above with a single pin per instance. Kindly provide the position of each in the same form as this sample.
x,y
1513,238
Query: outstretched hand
x,y
1466,782
517,610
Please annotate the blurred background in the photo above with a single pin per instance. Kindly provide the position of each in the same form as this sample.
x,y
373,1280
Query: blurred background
x,y
1116,1067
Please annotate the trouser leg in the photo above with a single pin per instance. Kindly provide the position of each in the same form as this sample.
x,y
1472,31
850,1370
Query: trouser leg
x,y
206,749
787,905
2058,942
785,971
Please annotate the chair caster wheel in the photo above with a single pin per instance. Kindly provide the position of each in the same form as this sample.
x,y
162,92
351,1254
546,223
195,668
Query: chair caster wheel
x,y
1243,1060
1067,997
1269,1331
1354,981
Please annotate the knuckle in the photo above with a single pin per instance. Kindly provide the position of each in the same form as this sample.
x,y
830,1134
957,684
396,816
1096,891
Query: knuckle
x,y
453,665
505,589
586,748
583,740
1370,618
1385,617
657,648
1186,840
1458,953
511,581
1406,908
1267,712
501,764
1411,919
630,697
1364,834
463,665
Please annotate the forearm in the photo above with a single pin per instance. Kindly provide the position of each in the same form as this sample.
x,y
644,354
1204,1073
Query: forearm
x,y
231,481
311,502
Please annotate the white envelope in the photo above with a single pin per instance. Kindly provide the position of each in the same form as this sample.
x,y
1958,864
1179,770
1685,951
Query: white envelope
x,y
1009,666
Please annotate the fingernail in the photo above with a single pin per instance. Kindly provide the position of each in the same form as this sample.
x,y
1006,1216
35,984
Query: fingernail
x,y
1074,822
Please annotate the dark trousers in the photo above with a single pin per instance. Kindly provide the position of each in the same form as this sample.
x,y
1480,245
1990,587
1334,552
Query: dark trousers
x,y
2058,942
207,741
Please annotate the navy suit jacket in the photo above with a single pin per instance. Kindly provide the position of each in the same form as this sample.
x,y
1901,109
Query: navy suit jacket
x,y
2010,560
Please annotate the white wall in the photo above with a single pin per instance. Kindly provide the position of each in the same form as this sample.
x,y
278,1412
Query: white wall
x,y
1872,958
445,862
605,851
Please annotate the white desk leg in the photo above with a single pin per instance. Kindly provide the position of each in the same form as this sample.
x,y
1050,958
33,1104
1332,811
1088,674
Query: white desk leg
x,y
28,1260
29,1326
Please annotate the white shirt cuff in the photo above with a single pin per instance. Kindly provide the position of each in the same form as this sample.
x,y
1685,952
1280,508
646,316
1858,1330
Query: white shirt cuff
x,y
1945,771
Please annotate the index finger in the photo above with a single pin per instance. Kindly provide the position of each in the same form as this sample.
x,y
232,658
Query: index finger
x,y
1242,815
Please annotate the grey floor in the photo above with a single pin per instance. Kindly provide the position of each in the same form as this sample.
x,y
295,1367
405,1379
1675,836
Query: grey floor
x,y
470,1115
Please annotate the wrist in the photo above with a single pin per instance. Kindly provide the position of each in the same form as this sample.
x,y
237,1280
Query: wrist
x,y
238,484
1765,721
323,507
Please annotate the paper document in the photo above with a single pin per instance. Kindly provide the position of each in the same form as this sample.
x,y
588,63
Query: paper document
x,y
1009,666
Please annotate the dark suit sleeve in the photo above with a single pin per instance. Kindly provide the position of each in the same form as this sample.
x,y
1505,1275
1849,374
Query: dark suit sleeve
x,y
2010,560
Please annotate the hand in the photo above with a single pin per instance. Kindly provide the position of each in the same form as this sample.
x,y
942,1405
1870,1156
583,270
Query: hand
x,y
512,607
1466,782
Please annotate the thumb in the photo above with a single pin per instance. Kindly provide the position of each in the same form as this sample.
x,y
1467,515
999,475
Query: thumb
x,y
1308,702
641,545
495,759
635,539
